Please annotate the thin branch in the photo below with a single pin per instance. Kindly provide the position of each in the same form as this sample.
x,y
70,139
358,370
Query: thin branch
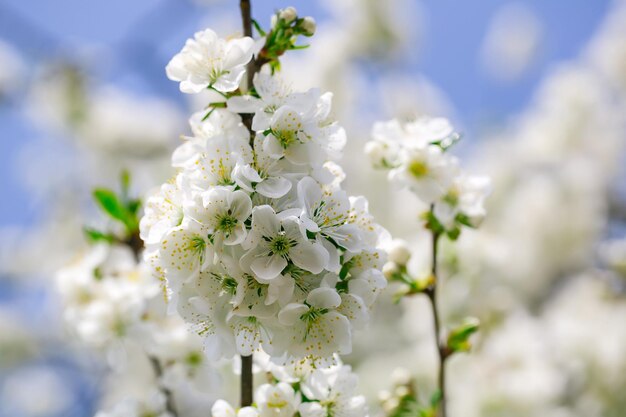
x,y
169,396
247,382
442,350
246,19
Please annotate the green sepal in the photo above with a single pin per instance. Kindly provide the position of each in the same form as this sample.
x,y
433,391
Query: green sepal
x,y
453,233
464,220
298,47
448,142
258,28
432,223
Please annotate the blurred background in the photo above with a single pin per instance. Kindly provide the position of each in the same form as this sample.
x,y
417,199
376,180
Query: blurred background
x,y
538,89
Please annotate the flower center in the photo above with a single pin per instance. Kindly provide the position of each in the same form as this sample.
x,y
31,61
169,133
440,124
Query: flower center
x,y
194,359
216,73
286,137
418,169
311,316
229,284
278,403
223,174
281,244
226,223
197,245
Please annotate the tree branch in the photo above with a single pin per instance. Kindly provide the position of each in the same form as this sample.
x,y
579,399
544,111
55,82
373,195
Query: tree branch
x,y
169,396
247,382
442,349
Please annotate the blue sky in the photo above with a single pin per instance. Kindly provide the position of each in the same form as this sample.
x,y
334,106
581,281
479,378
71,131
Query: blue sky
x,y
145,33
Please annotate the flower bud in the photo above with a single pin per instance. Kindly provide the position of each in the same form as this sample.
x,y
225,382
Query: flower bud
x,y
384,395
309,26
376,152
390,269
288,14
401,376
401,391
399,252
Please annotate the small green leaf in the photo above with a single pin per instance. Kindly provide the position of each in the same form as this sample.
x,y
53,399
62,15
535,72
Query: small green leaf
x,y
458,339
113,206
134,206
95,236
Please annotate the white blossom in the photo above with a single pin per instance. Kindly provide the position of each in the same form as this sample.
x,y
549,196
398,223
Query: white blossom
x,y
334,390
222,409
277,400
209,61
465,196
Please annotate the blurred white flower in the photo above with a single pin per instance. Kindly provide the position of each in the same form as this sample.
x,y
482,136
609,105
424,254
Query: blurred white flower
x,y
153,405
12,71
512,41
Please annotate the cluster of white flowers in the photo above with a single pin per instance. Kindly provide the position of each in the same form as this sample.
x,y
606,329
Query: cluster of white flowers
x,y
301,391
257,242
105,295
114,304
415,154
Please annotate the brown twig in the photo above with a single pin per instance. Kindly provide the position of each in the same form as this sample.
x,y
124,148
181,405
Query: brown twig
x,y
247,382
442,350
169,396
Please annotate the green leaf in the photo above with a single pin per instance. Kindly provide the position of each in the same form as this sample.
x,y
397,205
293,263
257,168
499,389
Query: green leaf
x,y
94,236
110,203
134,206
458,339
